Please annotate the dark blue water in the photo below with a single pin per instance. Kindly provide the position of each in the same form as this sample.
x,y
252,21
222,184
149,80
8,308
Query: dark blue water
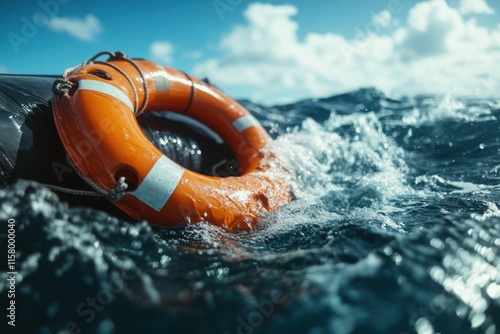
x,y
394,229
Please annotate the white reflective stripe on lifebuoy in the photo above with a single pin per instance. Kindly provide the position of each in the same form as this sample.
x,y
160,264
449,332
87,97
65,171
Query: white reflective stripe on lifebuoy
x,y
244,122
102,87
159,184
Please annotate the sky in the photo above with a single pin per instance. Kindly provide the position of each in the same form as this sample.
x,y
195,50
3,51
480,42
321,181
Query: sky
x,y
271,52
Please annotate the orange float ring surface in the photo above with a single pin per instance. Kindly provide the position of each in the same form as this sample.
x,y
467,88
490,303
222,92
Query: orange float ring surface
x,y
96,120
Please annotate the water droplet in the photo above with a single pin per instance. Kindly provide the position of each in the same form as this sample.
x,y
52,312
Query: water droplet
x,y
136,244
164,260
106,326
478,319
423,326
388,250
133,232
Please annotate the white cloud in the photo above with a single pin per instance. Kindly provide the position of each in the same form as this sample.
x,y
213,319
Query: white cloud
x,y
192,54
435,51
475,6
383,18
429,26
85,29
3,69
162,51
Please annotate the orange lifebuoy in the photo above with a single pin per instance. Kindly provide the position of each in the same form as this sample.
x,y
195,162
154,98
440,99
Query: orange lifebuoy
x,y
96,120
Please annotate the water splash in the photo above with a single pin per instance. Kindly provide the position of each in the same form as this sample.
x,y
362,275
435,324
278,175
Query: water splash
x,y
382,237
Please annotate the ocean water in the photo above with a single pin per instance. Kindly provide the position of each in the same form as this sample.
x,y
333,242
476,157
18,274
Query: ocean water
x,y
395,228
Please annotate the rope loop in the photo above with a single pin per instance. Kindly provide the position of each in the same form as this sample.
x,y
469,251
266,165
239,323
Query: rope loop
x,y
118,192
62,87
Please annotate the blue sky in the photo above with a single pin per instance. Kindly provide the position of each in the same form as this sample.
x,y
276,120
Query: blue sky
x,y
274,51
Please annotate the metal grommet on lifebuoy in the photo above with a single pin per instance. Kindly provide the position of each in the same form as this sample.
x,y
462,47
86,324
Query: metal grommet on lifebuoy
x,y
95,108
